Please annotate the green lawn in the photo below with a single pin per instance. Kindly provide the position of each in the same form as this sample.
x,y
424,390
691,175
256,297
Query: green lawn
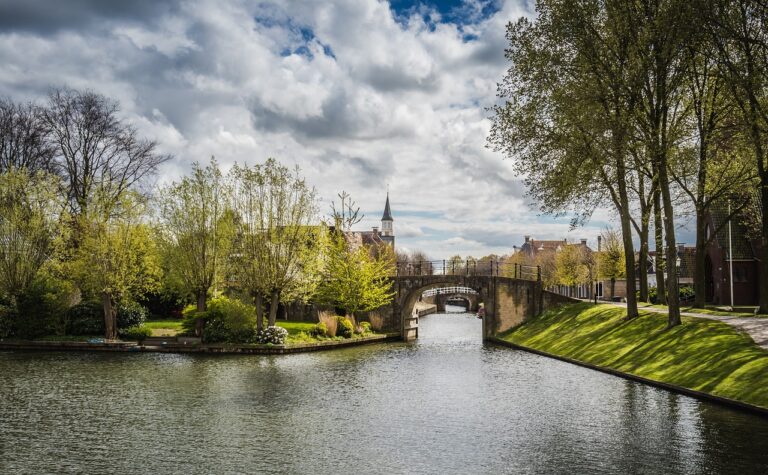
x,y
704,355
294,328
164,327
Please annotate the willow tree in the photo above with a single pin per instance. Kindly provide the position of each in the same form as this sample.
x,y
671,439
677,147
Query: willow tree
x,y
195,228
278,242
570,97
116,259
29,214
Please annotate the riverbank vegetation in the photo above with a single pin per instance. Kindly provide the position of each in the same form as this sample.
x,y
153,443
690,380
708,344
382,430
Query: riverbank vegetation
x,y
656,109
703,355
88,248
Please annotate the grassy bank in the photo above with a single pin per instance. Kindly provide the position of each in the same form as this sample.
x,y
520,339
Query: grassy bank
x,y
711,310
702,355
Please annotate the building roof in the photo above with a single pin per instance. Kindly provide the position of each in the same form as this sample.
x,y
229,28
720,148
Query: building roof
x,y
387,213
533,246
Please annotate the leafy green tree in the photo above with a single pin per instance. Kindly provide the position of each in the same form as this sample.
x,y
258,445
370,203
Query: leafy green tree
x,y
29,214
610,259
195,229
572,266
354,279
117,259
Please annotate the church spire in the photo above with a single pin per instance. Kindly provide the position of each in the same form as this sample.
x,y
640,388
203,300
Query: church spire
x,y
387,213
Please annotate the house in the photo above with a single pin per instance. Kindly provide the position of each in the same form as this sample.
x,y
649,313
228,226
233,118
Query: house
x,y
375,237
746,262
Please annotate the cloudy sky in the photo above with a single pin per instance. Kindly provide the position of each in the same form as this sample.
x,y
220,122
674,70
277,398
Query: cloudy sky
x,y
362,94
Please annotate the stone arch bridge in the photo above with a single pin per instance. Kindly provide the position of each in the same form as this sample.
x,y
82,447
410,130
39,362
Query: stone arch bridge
x,y
508,301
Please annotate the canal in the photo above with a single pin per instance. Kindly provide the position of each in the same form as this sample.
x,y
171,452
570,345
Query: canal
x,y
444,404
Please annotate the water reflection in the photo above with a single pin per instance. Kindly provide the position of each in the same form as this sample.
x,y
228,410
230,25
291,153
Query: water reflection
x,y
443,404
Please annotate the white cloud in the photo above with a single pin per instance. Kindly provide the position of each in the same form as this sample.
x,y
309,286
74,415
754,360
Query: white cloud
x,y
359,99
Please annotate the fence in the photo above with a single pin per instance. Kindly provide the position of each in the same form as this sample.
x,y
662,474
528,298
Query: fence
x,y
470,267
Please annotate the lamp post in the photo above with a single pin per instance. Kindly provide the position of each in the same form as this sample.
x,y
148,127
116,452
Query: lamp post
x,y
677,262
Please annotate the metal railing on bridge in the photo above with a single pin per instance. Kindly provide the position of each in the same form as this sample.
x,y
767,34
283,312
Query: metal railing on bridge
x,y
448,290
470,267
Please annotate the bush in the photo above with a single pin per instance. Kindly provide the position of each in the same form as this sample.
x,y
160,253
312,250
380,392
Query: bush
x,y
7,320
320,330
138,332
226,320
86,318
363,328
345,327
41,309
272,335
131,314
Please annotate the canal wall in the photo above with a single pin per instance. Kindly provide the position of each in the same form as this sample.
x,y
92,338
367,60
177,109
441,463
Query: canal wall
x,y
172,346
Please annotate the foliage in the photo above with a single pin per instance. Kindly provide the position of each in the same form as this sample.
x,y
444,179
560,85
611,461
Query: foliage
x,y
572,265
704,355
7,320
363,328
352,279
320,330
195,229
345,328
130,314
278,243
272,335
137,332
611,262
41,308
29,214
85,318
226,320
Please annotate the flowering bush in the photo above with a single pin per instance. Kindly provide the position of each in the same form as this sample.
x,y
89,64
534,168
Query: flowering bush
x,y
345,327
272,335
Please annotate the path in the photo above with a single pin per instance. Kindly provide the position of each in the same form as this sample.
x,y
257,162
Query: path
x,y
755,327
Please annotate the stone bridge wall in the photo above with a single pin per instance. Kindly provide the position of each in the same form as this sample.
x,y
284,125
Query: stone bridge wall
x,y
508,302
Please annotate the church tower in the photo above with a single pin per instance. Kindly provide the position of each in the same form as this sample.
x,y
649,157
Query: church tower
x,y
387,232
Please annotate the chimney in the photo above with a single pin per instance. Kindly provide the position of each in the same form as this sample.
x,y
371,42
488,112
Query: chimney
x,y
527,238
681,248
583,242
375,230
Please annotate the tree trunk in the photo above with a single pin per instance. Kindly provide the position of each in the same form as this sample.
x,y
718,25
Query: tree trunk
x,y
763,285
673,299
626,234
273,304
201,307
699,279
661,288
110,317
643,257
259,302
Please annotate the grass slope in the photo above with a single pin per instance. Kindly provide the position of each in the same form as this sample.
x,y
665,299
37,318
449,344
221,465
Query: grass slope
x,y
704,355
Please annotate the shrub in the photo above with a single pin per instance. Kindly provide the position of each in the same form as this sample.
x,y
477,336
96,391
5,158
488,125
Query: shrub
x,y
41,309
363,328
320,330
7,320
330,322
86,318
138,332
130,314
272,335
344,328
377,320
226,320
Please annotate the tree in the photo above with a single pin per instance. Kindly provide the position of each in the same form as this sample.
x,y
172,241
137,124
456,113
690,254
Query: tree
x,y
354,279
611,258
739,31
117,259
99,154
572,266
258,199
571,95
288,238
195,228
24,140
29,214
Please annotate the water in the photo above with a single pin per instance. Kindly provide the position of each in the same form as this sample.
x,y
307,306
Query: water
x,y
445,404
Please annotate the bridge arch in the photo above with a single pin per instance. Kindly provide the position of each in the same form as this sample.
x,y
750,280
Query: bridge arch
x,y
508,302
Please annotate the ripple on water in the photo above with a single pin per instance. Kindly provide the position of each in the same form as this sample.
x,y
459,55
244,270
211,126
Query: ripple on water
x,y
444,404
